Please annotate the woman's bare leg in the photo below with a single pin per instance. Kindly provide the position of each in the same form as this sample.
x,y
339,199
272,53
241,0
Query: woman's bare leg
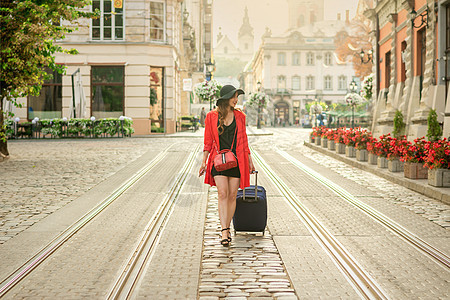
x,y
233,185
223,190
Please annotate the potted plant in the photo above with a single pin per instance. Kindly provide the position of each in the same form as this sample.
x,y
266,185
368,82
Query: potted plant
x,y
339,140
331,133
373,150
437,160
349,141
361,139
413,157
383,149
397,148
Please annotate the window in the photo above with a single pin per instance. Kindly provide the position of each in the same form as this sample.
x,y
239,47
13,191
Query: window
x,y
281,82
328,83
109,26
281,59
157,21
107,90
48,104
342,82
387,70
296,59
296,82
310,82
328,59
310,59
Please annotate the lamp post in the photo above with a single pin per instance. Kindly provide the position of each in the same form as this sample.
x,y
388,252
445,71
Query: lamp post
x,y
209,69
353,89
369,56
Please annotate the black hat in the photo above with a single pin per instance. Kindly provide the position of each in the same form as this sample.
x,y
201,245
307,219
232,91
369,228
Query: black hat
x,y
227,92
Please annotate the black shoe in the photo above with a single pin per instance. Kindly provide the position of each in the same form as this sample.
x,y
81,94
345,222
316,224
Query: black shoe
x,y
225,242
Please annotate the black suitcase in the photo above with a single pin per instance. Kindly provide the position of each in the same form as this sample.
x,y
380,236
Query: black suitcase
x,y
251,209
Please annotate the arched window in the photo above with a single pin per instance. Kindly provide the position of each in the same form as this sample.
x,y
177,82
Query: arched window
x,y
310,82
310,59
296,82
281,59
328,83
328,59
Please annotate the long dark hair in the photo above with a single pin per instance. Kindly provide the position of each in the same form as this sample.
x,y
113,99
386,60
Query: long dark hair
x,y
222,109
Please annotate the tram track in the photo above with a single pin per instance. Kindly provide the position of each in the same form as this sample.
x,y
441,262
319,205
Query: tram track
x,y
362,282
25,269
129,279
437,255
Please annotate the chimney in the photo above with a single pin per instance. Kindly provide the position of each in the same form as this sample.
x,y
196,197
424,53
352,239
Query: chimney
x,y
347,17
339,16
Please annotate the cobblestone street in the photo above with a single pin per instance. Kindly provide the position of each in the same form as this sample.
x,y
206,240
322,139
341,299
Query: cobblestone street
x,y
50,185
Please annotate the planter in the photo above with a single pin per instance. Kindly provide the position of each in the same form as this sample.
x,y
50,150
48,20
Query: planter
x,y
350,151
439,177
331,145
324,142
382,162
415,170
340,148
373,159
362,155
395,165
318,140
311,139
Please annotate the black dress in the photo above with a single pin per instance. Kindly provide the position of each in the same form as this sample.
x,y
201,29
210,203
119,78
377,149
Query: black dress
x,y
225,140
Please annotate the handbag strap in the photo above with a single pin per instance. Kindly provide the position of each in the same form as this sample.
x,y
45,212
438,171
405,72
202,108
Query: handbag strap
x,y
232,144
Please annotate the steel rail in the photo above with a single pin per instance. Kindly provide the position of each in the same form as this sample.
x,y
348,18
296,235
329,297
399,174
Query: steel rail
x,y
20,273
129,278
362,282
390,224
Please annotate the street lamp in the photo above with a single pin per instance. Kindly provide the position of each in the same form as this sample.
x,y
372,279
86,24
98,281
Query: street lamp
x,y
423,16
369,56
353,89
209,69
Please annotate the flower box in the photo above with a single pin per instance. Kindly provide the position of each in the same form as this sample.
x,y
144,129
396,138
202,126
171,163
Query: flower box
x,y
318,140
324,142
373,159
340,148
382,162
350,151
311,139
415,170
362,155
439,177
395,165
331,145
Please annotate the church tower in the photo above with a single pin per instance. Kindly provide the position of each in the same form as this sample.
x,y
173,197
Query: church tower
x,y
246,37
304,12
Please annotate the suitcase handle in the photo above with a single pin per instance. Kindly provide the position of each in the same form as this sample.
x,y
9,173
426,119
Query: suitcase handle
x,y
256,185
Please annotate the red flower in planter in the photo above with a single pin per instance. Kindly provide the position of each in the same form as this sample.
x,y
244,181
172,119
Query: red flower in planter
x,y
397,147
371,145
437,154
339,135
415,153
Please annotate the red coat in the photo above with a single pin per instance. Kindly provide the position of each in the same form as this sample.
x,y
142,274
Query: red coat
x,y
242,150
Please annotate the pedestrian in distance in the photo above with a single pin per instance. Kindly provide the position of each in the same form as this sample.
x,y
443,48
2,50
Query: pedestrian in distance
x,y
225,126
202,117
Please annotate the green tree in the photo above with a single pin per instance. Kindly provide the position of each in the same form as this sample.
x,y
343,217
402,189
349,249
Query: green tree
x,y
399,124
434,131
29,29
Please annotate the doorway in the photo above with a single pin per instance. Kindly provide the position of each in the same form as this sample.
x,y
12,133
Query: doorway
x,y
281,113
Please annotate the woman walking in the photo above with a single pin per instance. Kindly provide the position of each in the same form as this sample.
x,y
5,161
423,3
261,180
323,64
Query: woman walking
x,y
225,126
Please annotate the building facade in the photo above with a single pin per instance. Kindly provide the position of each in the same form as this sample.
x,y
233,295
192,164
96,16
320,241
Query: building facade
x,y
131,62
411,45
300,66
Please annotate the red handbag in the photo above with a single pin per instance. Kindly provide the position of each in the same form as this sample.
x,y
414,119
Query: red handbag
x,y
225,159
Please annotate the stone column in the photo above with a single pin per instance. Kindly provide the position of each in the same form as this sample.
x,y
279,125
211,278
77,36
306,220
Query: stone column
x,y
386,120
419,121
409,67
372,16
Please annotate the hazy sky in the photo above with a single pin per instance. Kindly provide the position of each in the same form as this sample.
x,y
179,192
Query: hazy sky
x,y
228,15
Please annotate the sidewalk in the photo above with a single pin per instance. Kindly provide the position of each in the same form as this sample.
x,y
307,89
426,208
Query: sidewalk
x,y
417,185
